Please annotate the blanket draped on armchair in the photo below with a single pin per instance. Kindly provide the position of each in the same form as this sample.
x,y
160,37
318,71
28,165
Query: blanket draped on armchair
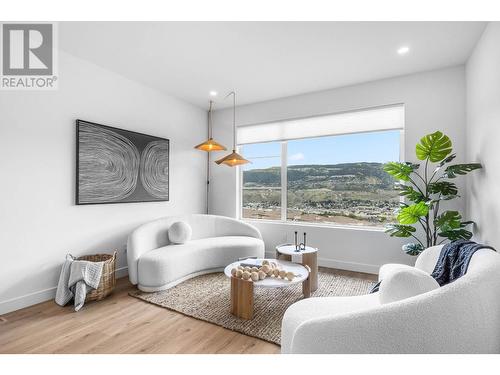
x,y
453,261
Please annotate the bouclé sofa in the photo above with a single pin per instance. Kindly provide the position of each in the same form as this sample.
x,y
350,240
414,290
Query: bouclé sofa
x,y
460,317
154,263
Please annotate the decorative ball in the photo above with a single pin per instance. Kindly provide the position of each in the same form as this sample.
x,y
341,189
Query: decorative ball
x,y
233,271
262,275
290,276
276,272
265,262
179,232
246,275
254,276
266,268
254,269
282,274
248,269
241,268
239,273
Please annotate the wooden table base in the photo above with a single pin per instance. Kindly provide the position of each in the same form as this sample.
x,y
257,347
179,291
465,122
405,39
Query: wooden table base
x,y
311,260
308,259
307,284
241,298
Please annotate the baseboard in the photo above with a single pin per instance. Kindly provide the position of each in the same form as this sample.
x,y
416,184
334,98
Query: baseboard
x,y
30,299
40,296
348,266
121,272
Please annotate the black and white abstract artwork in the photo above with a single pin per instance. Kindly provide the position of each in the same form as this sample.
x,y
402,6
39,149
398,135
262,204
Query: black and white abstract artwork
x,y
119,166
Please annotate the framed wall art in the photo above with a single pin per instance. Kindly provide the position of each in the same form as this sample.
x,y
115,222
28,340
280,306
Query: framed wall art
x,y
119,166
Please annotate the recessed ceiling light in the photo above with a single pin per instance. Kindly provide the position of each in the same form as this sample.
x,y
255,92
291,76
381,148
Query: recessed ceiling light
x,y
403,50
213,93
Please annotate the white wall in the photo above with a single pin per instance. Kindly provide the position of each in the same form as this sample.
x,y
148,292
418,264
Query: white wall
x,y
39,222
433,101
483,135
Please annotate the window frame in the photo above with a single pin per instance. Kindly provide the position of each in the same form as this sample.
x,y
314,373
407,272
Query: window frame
x,y
284,187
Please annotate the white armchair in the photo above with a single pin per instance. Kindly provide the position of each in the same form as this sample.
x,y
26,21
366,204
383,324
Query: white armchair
x,y
461,317
156,264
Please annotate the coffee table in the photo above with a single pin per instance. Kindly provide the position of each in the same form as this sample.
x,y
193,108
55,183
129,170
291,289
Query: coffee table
x,y
242,298
307,256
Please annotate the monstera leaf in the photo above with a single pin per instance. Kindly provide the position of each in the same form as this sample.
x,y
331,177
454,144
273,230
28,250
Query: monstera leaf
x,y
435,147
448,220
411,194
456,234
398,230
444,188
411,214
400,171
447,159
413,248
460,169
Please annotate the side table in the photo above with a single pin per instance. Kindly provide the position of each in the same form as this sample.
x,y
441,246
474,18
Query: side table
x,y
308,257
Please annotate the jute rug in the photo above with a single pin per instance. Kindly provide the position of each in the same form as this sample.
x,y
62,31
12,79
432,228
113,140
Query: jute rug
x,y
207,298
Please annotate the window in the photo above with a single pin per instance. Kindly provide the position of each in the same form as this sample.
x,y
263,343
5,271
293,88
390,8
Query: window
x,y
261,193
340,179
329,179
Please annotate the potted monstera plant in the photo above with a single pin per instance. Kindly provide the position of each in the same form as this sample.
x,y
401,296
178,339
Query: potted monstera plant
x,y
424,187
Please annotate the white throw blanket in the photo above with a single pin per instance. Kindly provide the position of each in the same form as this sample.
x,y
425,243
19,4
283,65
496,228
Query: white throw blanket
x,y
77,278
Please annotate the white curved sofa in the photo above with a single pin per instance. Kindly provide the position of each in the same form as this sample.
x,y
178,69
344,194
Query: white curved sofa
x,y
460,317
156,264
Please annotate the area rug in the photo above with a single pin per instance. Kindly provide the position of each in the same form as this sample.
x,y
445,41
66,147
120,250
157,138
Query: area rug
x,y
207,298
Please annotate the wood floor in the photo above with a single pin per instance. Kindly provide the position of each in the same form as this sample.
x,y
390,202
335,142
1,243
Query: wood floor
x,y
121,324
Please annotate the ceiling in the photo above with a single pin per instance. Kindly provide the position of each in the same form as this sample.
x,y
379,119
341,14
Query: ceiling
x,y
265,60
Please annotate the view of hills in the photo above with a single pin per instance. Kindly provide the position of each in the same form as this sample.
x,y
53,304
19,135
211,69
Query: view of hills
x,y
349,193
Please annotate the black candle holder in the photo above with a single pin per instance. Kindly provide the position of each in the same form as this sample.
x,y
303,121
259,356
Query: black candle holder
x,y
300,246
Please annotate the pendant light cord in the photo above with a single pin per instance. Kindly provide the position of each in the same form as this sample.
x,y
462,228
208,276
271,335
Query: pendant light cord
x,y
234,118
210,120
208,155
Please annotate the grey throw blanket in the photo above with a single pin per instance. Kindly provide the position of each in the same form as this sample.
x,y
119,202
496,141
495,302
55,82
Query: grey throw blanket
x,y
63,294
76,280
453,261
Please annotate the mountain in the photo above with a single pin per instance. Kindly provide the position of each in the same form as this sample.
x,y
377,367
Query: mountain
x,y
345,176
348,193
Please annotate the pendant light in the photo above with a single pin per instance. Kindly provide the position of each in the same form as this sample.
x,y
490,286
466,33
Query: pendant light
x,y
210,145
233,159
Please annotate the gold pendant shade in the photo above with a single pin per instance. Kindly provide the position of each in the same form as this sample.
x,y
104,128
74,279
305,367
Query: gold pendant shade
x,y
232,160
210,145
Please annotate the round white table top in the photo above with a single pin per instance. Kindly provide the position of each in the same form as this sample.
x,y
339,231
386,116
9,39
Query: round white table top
x,y
272,282
289,249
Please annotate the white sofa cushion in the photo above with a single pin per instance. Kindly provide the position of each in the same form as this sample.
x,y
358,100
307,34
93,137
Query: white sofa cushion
x,y
169,263
427,260
179,232
389,268
404,283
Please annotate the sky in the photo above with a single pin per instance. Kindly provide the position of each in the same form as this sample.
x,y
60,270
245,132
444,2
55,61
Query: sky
x,y
364,147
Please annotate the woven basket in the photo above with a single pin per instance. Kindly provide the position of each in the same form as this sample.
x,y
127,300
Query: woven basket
x,y
108,280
